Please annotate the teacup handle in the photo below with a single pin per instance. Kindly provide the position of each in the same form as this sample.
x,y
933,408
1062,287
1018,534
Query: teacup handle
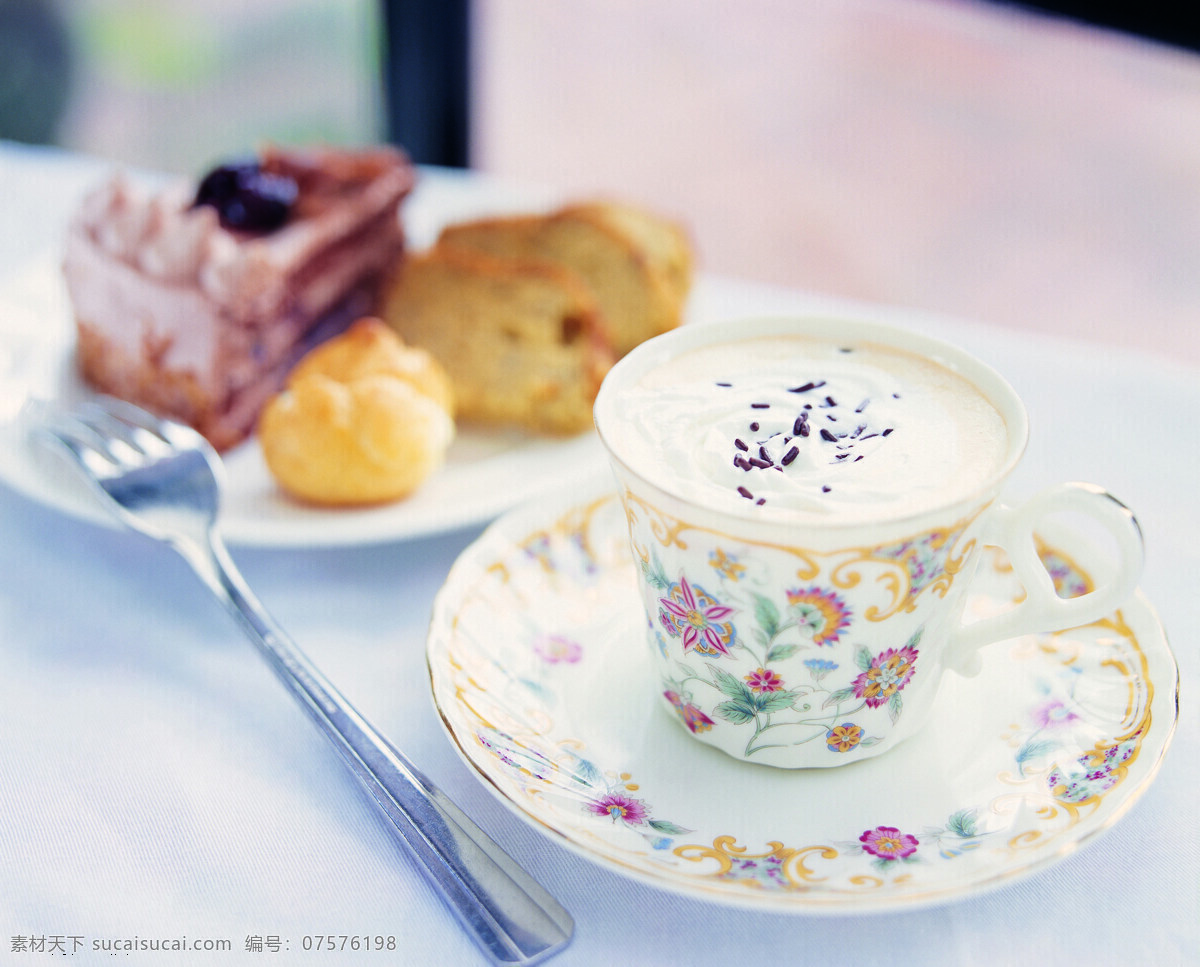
x,y
1043,610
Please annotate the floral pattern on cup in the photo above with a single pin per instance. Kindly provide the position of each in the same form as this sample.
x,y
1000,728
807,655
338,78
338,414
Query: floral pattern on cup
x,y
821,612
693,719
737,628
844,737
884,676
925,562
777,698
697,618
925,557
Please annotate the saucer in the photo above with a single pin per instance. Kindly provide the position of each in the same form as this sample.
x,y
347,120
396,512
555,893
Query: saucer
x,y
542,678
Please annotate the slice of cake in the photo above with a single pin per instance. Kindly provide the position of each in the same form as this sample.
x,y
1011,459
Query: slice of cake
x,y
195,301
521,340
637,264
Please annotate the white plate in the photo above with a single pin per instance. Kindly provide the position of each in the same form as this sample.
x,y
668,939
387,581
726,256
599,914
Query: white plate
x,y
485,473
541,677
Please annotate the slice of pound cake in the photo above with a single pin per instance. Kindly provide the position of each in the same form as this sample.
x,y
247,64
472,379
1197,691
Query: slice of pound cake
x,y
521,340
195,301
637,264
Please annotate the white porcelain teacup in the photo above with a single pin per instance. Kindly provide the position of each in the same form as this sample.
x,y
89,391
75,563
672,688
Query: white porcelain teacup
x,y
807,501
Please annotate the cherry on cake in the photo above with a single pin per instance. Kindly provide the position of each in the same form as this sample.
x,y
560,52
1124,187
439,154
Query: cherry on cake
x,y
195,300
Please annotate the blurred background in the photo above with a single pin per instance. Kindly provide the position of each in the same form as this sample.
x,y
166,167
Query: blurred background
x,y
1024,164
172,84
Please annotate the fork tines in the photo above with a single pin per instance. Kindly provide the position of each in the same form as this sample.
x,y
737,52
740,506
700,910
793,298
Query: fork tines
x,y
118,432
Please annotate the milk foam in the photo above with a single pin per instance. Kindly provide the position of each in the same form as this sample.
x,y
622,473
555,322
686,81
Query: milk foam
x,y
799,426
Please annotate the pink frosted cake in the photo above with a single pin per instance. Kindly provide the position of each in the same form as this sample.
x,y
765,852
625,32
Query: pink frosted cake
x,y
194,302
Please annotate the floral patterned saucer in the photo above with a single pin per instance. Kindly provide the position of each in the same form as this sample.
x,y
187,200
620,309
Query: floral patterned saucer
x,y
538,661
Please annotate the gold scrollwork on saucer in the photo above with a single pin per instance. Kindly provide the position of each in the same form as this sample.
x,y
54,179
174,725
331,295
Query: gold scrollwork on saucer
x,y
779,867
575,528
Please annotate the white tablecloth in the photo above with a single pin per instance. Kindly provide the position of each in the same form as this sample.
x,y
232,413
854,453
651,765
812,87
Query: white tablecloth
x,y
156,782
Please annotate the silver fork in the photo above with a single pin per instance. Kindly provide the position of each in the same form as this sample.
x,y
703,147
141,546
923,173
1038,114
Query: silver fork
x,y
163,480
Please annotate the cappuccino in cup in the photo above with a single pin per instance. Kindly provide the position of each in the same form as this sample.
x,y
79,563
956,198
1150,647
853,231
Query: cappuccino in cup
x,y
807,502
804,428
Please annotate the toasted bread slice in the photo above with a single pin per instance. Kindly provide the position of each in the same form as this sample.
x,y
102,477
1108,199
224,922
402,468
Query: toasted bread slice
x,y
520,339
637,265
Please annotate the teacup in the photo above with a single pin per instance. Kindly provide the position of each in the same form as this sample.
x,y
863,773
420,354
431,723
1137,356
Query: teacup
x,y
808,500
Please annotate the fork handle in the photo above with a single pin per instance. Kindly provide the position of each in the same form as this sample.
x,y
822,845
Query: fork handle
x,y
512,917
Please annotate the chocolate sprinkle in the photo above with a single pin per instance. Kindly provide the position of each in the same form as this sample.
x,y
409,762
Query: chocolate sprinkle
x,y
751,451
